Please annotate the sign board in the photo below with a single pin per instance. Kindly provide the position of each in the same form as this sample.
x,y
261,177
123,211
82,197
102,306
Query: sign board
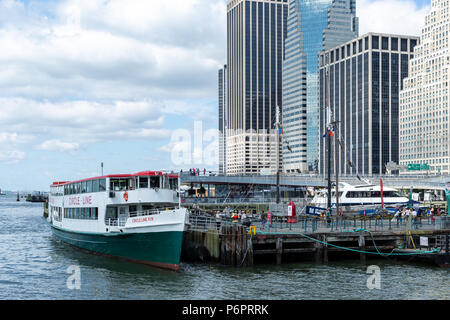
x,y
418,166
424,241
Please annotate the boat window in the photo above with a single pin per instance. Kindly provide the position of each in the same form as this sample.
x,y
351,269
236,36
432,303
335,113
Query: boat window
x,y
89,186
155,182
83,187
95,185
173,183
132,209
111,213
102,185
143,182
118,184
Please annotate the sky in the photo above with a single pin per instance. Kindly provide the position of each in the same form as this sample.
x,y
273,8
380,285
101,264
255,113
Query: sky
x,y
132,84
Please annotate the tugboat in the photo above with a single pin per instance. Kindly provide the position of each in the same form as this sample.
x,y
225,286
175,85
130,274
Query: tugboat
x,y
137,217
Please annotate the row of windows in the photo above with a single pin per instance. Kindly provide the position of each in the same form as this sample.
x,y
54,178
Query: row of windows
x,y
97,185
371,194
81,213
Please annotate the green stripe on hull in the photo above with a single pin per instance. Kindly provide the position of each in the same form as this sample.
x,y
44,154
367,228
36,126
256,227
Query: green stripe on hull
x,y
158,248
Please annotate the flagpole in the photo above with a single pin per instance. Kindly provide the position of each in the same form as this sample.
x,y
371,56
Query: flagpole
x,y
329,147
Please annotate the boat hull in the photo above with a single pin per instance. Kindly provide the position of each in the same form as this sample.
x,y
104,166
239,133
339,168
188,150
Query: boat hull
x,y
159,249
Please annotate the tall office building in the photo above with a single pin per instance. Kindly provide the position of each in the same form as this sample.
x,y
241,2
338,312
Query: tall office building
x,y
256,30
222,79
364,81
313,26
424,100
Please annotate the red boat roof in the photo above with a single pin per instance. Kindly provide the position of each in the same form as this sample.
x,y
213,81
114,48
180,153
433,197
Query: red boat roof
x,y
139,174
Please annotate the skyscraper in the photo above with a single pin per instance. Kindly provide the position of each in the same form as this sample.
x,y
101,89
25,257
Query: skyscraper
x,y
222,79
424,100
364,80
256,30
312,27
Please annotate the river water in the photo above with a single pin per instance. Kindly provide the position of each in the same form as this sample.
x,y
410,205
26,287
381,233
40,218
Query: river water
x,y
34,265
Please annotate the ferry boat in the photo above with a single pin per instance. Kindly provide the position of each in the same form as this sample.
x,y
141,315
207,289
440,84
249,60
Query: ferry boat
x,y
137,217
360,195
1,193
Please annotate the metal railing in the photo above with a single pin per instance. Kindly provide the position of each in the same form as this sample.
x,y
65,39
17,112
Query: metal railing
x,y
120,222
313,224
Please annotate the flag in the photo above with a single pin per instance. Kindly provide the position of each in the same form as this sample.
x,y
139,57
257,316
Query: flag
x,y
281,128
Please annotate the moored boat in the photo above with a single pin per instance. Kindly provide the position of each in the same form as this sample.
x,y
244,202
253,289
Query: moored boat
x,y
137,217
361,195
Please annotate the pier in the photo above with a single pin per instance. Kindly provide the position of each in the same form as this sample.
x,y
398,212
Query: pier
x,y
312,239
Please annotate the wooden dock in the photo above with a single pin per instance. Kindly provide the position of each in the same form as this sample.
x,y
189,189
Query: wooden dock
x,y
236,245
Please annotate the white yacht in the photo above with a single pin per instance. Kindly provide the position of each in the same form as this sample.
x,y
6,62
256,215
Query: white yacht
x,y
360,195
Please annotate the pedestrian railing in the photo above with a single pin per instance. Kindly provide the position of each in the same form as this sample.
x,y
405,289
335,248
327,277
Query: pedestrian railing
x,y
312,224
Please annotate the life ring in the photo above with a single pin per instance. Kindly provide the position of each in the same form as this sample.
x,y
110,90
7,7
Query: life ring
x,y
125,195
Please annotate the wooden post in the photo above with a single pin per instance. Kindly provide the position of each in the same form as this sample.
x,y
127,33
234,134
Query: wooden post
x,y
318,253
279,247
325,249
362,246
223,250
238,253
249,259
233,245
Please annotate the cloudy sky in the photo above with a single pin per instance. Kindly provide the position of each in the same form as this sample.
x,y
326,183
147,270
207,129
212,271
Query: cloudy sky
x,y
90,81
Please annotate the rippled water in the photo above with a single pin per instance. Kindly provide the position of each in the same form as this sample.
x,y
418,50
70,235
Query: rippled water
x,y
33,265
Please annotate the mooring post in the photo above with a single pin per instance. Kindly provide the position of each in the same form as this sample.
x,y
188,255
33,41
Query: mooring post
x,y
279,247
318,254
362,246
249,259
325,249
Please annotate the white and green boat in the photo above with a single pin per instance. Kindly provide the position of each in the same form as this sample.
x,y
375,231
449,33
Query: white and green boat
x,y
136,217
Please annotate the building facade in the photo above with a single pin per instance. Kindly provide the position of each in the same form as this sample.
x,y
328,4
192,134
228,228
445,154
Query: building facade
x,y
364,81
312,27
256,30
222,88
424,100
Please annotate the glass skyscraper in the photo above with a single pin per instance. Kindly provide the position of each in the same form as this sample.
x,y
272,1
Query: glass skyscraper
x,y
256,31
313,26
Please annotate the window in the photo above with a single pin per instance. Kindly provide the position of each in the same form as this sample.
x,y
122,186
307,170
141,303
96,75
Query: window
x,y
89,186
404,45
143,182
375,41
394,44
102,185
155,182
118,184
83,187
95,185
384,43
173,183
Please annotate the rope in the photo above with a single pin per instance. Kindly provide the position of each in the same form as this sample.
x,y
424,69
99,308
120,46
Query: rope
x,y
355,250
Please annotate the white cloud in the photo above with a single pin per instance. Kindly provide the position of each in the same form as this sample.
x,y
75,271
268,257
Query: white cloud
x,y
11,156
76,71
57,145
402,17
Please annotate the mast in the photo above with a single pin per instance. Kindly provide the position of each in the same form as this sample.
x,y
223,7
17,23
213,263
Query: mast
x,y
277,124
328,114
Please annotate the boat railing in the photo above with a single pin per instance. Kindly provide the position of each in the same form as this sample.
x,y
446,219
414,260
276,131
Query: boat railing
x,y
150,212
120,222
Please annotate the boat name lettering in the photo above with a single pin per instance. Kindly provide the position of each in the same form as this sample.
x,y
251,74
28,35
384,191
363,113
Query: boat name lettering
x,y
76,201
146,219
